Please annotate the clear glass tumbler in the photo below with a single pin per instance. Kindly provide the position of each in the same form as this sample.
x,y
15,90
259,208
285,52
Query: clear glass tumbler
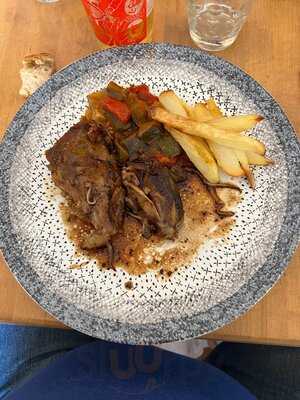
x,y
215,24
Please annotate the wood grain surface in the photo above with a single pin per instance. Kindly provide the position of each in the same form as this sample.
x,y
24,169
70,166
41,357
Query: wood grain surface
x,y
267,49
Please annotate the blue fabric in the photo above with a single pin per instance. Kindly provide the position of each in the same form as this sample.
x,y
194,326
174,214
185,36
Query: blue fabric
x,y
25,350
102,370
269,372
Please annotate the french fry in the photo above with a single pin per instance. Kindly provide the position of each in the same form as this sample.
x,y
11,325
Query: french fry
x,y
243,160
233,160
214,110
251,179
197,152
238,123
240,155
207,132
172,103
186,106
200,113
257,159
226,159
175,105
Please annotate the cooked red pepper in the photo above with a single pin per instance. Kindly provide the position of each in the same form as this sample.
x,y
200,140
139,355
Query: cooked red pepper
x,y
118,108
143,93
165,160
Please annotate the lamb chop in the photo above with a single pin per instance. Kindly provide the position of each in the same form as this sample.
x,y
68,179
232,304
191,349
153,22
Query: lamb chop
x,y
83,167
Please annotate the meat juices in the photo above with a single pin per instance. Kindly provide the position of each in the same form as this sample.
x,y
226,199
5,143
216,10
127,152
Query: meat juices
x,y
123,176
83,165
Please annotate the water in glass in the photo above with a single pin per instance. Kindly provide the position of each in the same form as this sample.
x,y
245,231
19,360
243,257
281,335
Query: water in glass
x,y
214,26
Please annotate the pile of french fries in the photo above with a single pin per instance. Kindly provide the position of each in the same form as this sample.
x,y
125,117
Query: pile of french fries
x,y
211,140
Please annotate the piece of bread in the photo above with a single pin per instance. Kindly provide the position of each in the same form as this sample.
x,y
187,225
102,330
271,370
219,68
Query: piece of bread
x,y
37,68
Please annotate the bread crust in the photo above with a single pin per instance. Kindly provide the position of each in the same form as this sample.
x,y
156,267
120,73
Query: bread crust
x,y
37,68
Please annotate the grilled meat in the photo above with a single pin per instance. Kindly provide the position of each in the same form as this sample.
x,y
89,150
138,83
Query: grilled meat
x,y
83,165
84,168
153,198
118,162
162,191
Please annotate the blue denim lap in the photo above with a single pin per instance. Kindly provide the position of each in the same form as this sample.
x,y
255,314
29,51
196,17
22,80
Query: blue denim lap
x,y
25,350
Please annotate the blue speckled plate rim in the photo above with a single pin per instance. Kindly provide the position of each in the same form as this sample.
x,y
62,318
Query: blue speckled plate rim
x,y
187,326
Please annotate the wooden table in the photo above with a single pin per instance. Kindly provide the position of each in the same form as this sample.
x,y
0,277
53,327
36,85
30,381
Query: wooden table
x,y
267,48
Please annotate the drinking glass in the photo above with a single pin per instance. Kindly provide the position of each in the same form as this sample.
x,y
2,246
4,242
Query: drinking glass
x,y
215,24
121,22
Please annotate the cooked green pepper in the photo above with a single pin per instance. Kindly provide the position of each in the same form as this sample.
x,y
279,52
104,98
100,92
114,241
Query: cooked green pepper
x,y
94,111
138,108
134,146
168,145
115,122
116,91
149,131
158,140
